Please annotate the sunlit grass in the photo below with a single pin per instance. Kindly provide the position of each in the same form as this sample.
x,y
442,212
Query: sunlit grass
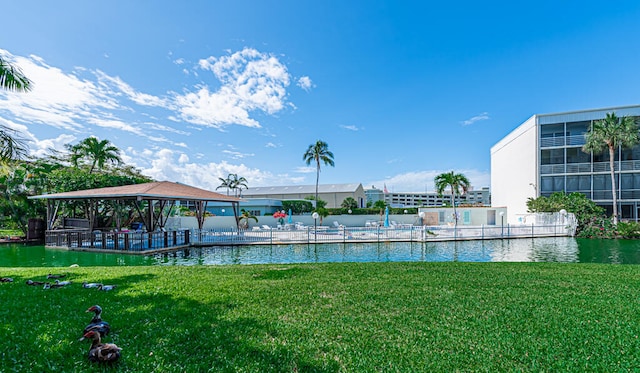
x,y
349,317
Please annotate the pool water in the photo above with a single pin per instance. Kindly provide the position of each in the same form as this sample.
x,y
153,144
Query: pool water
x,y
554,249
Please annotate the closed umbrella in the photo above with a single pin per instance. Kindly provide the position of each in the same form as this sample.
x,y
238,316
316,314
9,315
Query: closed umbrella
x,y
290,220
386,216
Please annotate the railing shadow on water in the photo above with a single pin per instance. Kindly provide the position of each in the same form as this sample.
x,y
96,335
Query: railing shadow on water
x,y
144,242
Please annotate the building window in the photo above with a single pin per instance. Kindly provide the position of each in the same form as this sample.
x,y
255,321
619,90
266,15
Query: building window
x,y
552,156
602,182
576,155
550,184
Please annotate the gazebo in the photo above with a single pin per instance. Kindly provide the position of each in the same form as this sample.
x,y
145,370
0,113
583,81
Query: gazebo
x,y
160,195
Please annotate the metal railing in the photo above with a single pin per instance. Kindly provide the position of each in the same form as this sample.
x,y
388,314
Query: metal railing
x,y
118,241
141,242
377,234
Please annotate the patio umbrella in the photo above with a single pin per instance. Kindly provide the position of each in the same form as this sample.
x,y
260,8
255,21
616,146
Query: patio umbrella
x,y
290,220
386,216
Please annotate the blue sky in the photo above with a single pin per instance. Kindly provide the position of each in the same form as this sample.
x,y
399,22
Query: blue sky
x,y
400,90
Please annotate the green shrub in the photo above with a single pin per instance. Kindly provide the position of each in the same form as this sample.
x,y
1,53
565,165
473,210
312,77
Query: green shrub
x,y
629,229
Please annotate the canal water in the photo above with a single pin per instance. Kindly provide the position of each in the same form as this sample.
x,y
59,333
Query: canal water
x,y
555,249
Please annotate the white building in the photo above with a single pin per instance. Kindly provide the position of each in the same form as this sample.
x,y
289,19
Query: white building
x,y
544,155
333,194
472,197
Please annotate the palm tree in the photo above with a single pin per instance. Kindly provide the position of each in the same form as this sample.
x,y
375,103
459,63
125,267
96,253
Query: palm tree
x,y
225,183
95,151
12,146
458,183
233,182
349,203
244,218
239,183
12,78
318,152
612,133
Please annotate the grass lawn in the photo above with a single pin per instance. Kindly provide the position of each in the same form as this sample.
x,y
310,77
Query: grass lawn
x,y
346,317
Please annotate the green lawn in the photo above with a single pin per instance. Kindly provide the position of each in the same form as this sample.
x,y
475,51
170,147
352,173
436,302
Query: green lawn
x,y
352,317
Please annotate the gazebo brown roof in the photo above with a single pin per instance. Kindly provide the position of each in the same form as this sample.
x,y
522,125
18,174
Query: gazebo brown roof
x,y
161,191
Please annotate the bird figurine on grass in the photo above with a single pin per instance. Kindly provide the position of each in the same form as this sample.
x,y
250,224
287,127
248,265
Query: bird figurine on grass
x,y
97,324
101,352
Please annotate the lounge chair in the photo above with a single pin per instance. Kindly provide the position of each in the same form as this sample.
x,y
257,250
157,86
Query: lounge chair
x,y
266,227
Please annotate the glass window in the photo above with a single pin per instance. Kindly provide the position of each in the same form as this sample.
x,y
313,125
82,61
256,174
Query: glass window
x,y
552,156
626,181
552,184
546,184
584,183
601,182
576,155
558,183
572,184
552,130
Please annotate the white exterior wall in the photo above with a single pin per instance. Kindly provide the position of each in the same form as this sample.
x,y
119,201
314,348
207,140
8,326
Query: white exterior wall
x,y
514,171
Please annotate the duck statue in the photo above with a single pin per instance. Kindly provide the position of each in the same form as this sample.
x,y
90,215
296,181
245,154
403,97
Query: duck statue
x,y
96,323
101,352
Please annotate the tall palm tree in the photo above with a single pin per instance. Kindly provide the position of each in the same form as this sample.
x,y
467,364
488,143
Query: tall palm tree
x,y
233,182
239,183
458,183
225,183
612,133
12,78
95,151
315,153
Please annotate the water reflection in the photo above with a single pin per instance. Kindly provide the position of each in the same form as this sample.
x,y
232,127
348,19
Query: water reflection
x,y
558,249
555,249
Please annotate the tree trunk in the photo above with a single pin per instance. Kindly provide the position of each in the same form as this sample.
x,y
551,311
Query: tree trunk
x,y
317,181
453,203
614,194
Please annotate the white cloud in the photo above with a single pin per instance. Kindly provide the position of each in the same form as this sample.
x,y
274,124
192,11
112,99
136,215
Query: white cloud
x,y
237,155
57,99
251,81
305,83
350,127
477,118
163,166
305,170
271,145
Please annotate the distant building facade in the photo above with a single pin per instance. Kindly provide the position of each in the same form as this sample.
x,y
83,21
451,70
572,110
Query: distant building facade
x,y
544,155
373,195
333,194
432,199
